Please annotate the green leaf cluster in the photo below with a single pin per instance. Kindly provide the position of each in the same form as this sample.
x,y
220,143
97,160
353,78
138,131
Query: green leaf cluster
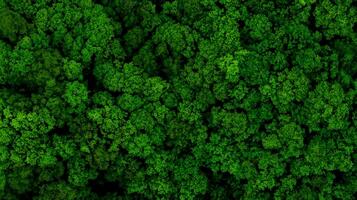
x,y
178,99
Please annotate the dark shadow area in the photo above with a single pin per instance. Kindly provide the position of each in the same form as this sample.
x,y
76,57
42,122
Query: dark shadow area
x,y
27,196
354,28
331,41
308,136
241,24
339,177
60,131
312,19
89,75
103,187
218,180
220,5
6,40
158,5
24,89
207,172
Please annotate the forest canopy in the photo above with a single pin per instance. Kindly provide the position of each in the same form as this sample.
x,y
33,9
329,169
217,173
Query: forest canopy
x,y
178,99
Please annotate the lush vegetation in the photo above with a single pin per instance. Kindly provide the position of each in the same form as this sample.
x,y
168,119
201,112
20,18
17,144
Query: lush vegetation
x,y
184,99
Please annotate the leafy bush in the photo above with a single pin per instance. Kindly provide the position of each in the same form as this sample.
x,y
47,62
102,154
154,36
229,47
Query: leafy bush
x,y
179,99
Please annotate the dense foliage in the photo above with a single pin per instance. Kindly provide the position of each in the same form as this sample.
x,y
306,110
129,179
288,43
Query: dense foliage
x,y
183,99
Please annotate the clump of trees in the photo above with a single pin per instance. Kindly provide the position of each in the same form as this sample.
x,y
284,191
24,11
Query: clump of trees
x,y
179,99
